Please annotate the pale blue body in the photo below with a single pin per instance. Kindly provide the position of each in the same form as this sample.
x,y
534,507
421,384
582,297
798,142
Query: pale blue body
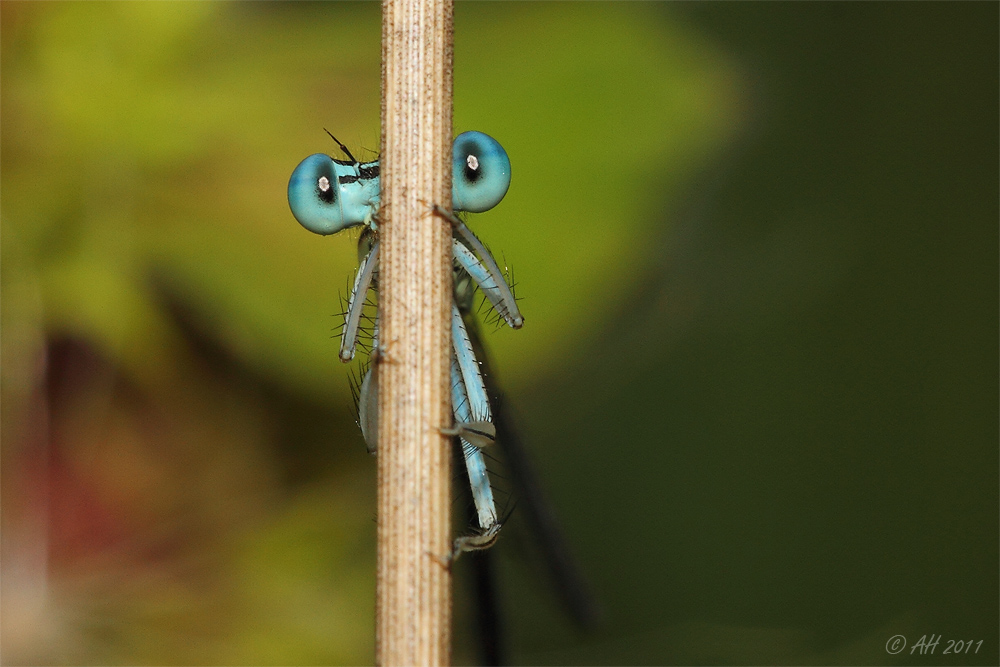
x,y
470,404
328,195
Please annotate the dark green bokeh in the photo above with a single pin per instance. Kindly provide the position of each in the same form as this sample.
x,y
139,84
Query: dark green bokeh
x,y
757,245
798,409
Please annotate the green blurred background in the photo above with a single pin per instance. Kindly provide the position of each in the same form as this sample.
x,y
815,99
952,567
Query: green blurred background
x,y
757,246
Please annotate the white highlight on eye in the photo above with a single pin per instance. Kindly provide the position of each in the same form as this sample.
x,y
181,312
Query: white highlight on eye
x,y
324,184
473,162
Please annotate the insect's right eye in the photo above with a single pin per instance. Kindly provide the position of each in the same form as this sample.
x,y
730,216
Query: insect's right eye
x,y
480,172
314,195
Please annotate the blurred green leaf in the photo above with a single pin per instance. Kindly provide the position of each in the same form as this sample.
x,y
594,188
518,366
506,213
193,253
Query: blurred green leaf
x,y
161,138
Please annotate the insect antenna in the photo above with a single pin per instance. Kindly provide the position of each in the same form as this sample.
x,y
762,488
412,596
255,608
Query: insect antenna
x,y
342,146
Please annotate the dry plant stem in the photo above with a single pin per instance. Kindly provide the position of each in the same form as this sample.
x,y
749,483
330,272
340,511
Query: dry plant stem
x,y
413,591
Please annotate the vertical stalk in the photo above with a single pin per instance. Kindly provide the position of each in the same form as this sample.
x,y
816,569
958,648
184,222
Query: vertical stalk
x,y
413,591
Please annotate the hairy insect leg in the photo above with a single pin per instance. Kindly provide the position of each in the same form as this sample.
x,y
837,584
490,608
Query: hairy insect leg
x,y
496,288
497,296
356,303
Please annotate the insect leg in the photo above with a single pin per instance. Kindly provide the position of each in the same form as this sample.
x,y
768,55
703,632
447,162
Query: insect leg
x,y
356,304
509,310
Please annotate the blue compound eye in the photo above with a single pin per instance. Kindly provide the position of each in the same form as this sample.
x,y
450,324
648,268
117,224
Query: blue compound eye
x,y
314,195
480,172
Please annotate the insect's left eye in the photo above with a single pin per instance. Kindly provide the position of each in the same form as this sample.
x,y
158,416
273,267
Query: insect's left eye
x,y
480,172
314,195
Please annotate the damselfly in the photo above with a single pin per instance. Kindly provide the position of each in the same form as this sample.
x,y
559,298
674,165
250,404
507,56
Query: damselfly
x,y
327,195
